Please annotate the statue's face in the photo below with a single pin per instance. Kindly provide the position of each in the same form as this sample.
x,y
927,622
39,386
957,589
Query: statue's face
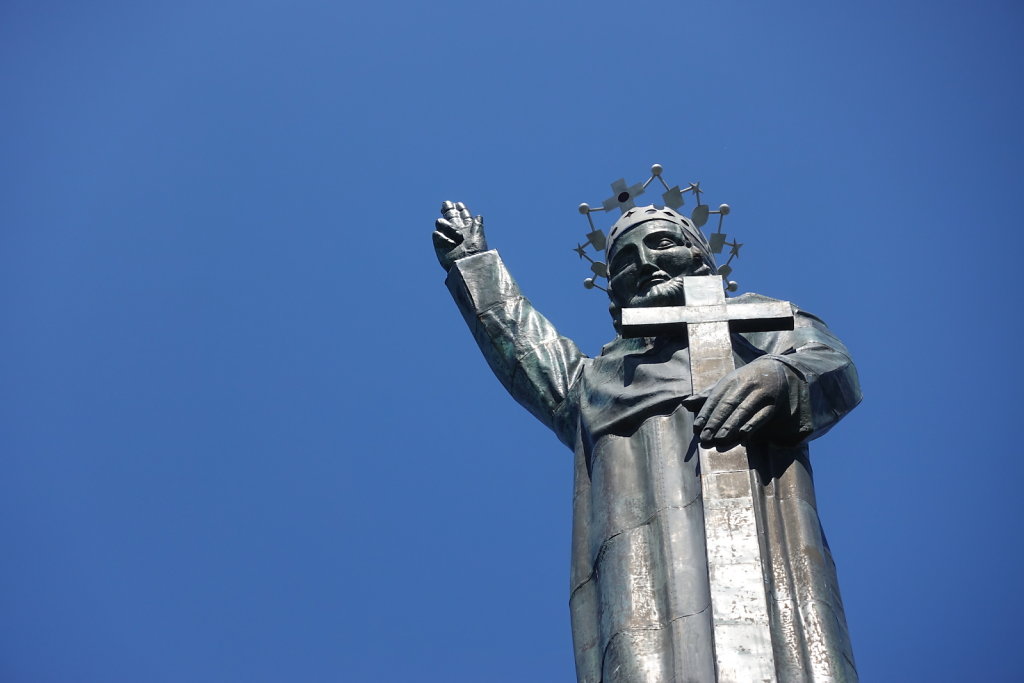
x,y
647,264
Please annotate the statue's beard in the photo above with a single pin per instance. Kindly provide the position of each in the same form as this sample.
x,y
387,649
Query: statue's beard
x,y
668,293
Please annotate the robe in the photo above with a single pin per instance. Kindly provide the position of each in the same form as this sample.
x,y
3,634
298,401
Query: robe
x,y
640,606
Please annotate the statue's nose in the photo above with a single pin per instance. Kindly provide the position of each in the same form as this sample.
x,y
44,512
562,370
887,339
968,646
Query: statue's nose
x,y
645,256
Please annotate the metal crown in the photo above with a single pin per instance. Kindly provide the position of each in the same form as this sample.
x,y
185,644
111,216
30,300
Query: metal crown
x,y
624,197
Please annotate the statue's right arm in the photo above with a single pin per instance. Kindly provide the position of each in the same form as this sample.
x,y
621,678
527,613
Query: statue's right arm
x,y
538,366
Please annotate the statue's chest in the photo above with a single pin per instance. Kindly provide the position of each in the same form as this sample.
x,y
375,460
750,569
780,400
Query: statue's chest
x,y
621,389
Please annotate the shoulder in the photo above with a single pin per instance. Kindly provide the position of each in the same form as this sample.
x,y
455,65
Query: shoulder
x,y
751,298
754,297
621,346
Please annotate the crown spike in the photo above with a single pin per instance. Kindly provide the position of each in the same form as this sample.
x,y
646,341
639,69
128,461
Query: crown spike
x,y
700,215
596,239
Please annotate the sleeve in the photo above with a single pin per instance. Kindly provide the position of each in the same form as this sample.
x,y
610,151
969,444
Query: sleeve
x,y
823,379
539,367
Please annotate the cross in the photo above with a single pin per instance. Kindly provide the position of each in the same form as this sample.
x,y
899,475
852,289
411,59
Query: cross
x,y
623,196
739,604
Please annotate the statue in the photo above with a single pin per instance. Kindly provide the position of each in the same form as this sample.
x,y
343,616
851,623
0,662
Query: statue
x,y
697,550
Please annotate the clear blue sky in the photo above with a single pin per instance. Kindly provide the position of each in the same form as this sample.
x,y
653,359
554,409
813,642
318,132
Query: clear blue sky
x,y
245,435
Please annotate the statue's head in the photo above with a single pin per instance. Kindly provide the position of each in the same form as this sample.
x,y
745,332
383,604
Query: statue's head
x,y
649,251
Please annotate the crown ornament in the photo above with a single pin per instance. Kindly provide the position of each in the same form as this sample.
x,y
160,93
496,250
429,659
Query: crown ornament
x,y
623,198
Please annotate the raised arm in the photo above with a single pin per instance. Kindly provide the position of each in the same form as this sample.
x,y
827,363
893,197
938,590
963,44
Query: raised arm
x,y
536,365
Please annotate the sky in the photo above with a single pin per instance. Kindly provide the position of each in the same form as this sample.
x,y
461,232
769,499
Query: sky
x,y
245,433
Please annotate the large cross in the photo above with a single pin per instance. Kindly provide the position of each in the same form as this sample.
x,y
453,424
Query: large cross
x,y
739,603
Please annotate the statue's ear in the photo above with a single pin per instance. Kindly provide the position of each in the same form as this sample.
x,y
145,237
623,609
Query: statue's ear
x,y
616,312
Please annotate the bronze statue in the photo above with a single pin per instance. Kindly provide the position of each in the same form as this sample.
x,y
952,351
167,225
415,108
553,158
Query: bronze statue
x,y
653,576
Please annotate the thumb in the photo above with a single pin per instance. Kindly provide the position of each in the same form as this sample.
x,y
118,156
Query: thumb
x,y
693,402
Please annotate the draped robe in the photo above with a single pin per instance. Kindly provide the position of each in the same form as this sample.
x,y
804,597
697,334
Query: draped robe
x,y
637,484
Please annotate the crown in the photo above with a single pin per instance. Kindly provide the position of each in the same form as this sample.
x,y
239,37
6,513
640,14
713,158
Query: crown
x,y
638,215
624,197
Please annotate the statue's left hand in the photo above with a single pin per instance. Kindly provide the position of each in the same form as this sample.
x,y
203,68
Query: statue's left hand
x,y
744,402
458,234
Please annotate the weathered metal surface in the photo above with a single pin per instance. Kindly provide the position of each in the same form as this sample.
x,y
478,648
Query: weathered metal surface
x,y
640,595
742,631
752,317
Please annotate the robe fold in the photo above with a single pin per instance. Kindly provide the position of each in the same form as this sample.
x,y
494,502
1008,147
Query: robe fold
x,y
640,605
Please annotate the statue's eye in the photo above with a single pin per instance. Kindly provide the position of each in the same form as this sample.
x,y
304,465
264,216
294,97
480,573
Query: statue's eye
x,y
665,243
622,261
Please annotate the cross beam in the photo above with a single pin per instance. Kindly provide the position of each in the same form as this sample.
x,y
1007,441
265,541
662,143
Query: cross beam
x,y
736,565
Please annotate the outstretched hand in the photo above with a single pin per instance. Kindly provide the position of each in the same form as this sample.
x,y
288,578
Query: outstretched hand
x,y
742,403
458,234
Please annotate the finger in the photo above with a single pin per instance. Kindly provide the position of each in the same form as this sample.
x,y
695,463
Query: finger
x,y
739,417
714,396
450,211
443,242
449,231
464,213
719,413
476,228
694,402
758,419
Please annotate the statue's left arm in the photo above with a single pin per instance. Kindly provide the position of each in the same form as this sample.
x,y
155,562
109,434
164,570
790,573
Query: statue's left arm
x,y
801,386
822,374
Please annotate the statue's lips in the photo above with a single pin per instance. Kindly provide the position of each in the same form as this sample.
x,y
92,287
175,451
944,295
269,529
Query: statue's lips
x,y
651,280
